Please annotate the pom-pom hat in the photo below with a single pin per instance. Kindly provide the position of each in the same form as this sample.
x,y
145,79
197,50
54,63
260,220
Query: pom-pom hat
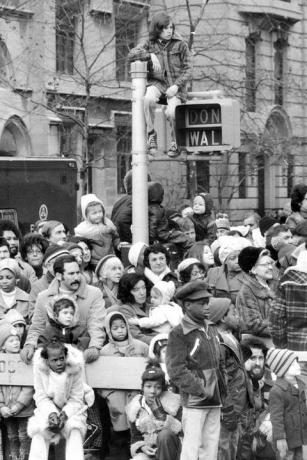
x,y
280,360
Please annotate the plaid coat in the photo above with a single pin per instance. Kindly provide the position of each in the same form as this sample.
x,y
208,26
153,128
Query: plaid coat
x,y
288,316
175,61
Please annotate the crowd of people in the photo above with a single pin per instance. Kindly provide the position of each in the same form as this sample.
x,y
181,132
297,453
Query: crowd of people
x,y
218,311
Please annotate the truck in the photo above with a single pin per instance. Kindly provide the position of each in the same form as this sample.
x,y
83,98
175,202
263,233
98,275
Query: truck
x,y
33,189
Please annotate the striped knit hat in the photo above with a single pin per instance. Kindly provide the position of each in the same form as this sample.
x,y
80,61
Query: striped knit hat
x,y
279,361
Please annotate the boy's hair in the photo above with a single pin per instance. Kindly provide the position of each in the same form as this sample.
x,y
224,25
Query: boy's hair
x,y
58,266
91,204
255,343
61,304
155,249
53,344
158,23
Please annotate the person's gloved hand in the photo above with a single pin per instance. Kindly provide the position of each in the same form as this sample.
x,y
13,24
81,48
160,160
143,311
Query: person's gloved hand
x,y
91,354
27,353
53,422
62,419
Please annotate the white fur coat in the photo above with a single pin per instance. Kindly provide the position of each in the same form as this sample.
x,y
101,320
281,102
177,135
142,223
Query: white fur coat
x,y
59,392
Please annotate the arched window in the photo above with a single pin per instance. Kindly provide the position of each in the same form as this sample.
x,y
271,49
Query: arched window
x,y
15,140
6,66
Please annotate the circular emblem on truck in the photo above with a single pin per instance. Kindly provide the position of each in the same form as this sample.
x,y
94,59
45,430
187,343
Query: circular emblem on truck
x,y
43,212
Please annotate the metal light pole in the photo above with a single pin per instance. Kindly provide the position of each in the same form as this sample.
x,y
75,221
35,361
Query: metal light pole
x,y
139,155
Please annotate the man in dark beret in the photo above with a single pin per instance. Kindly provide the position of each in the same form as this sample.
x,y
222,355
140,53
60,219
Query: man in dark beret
x,y
194,364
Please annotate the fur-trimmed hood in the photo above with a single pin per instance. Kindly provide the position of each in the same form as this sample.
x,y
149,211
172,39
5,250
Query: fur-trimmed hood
x,y
75,362
153,342
50,310
170,403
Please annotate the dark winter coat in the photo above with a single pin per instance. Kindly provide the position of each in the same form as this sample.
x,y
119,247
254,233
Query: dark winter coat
x,y
254,303
122,217
194,363
204,223
221,286
239,388
158,223
289,412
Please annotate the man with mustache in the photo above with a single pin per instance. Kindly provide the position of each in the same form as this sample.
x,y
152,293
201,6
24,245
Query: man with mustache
x,y
256,428
68,280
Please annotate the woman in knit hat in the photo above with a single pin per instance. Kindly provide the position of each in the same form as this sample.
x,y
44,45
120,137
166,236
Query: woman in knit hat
x,y
109,271
226,280
202,218
12,296
255,298
191,269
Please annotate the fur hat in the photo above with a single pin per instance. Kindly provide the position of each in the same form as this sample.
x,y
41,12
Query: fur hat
x,y
194,290
6,330
136,252
53,251
229,244
280,360
248,257
11,265
186,263
167,289
218,307
265,223
14,317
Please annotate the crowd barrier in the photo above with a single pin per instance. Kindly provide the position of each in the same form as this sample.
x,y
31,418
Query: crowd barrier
x,y
121,373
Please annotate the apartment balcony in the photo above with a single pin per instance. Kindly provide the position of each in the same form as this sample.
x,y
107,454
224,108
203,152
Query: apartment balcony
x,y
284,11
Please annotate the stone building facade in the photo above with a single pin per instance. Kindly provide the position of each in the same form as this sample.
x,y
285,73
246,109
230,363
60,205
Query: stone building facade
x,y
65,91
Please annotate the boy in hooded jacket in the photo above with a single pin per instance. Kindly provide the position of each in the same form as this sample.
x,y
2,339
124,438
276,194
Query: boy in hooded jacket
x,y
63,323
97,228
121,344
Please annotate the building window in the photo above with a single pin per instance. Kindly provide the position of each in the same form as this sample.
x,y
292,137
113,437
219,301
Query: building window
x,y
250,76
123,148
130,22
65,35
203,175
242,174
279,72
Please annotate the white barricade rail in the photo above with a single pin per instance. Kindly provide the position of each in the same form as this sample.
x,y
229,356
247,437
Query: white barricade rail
x,y
107,372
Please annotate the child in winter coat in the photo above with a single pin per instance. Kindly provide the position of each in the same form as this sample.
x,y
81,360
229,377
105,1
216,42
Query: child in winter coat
x,y
63,323
202,217
12,296
97,228
154,418
163,314
121,344
17,321
16,403
61,401
287,404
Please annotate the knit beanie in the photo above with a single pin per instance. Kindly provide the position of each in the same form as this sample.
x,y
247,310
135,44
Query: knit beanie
x,y
265,223
280,360
186,263
153,371
136,252
101,264
14,317
229,244
222,222
11,265
248,258
70,245
218,307
49,226
6,330
167,289
53,251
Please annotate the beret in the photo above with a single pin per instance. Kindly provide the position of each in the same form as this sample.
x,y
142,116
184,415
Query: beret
x,y
248,258
194,290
